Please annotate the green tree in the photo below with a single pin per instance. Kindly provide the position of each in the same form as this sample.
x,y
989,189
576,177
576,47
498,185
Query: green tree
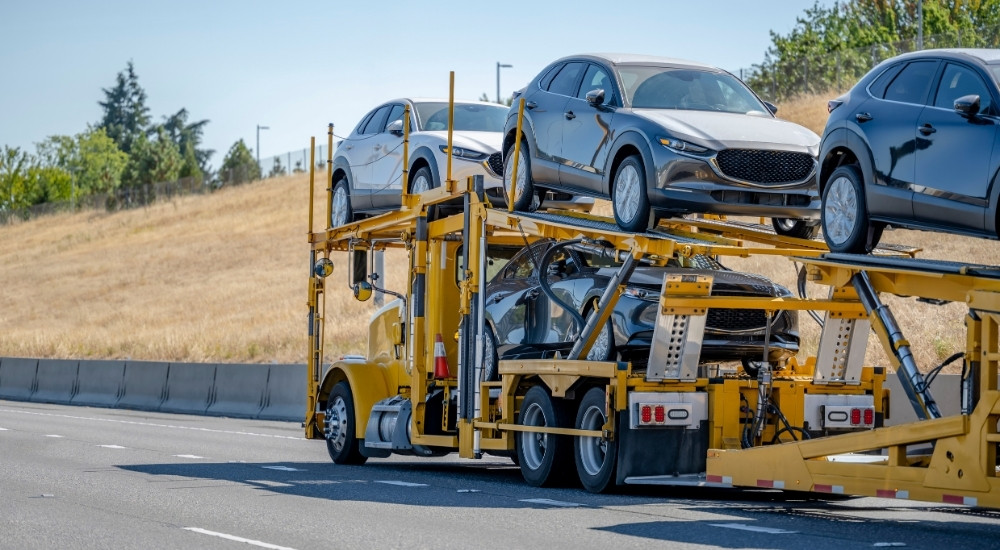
x,y
100,163
188,137
153,160
239,165
14,164
126,116
277,169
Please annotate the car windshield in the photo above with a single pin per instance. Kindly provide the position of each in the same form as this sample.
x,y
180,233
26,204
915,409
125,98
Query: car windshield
x,y
469,117
648,87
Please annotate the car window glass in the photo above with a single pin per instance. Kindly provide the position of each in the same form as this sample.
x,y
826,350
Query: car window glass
x,y
690,89
597,78
958,81
396,113
547,79
377,121
911,85
878,87
520,267
361,125
565,82
469,117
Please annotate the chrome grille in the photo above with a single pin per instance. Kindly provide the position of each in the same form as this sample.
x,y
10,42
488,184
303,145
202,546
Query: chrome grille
x,y
496,164
762,166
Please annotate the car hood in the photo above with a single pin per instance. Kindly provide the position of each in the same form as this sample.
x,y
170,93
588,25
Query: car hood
x,y
484,142
732,130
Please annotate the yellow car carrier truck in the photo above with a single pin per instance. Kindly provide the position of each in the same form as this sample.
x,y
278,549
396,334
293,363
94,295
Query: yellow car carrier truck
x,y
420,389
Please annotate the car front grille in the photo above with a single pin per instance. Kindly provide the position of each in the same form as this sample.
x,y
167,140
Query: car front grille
x,y
736,320
765,167
496,164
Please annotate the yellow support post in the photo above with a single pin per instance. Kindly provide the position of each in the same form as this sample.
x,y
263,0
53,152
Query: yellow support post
x,y
451,123
405,184
517,153
329,176
312,179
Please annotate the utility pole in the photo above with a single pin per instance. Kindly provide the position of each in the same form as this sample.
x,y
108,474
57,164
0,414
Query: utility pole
x,y
500,66
259,128
920,24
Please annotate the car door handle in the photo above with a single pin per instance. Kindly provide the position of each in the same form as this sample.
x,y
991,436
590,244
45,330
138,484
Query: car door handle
x,y
569,115
499,298
531,104
863,117
927,129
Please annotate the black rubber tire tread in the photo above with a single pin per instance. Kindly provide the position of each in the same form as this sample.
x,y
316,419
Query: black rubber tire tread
x,y
604,480
524,202
555,467
865,235
351,452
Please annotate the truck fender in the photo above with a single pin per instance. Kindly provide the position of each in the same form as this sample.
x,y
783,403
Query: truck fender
x,y
368,385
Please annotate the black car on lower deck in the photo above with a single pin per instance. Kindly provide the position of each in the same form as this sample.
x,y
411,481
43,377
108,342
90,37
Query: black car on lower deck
x,y
915,144
523,322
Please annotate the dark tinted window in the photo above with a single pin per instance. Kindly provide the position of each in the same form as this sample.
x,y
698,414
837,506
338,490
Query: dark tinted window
x,y
912,83
395,114
565,82
547,79
958,81
878,87
469,117
377,121
597,78
361,125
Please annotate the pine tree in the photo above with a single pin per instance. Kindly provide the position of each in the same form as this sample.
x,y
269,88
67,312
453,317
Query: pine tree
x,y
126,116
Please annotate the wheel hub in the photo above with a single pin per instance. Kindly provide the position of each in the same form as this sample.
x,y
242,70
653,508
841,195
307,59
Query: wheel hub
x,y
841,210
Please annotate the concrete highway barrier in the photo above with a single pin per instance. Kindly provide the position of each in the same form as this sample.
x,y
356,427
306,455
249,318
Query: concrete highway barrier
x,y
145,385
189,387
17,377
285,396
99,383
239,390
56,381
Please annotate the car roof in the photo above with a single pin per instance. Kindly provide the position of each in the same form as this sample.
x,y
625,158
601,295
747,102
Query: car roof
x,y
415,100
640,59
986,55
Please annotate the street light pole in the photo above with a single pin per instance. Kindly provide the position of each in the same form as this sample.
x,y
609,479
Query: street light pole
x,y
500,66
259,128
920,24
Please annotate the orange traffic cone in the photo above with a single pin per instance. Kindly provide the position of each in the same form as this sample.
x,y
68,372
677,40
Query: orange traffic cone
x,y
440,359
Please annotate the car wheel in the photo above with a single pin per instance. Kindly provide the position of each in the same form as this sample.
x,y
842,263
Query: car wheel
x,y
604,347
491,360
422,181
341,212
846,227
596,457
544,458
339,426
801,229
629,200
526,199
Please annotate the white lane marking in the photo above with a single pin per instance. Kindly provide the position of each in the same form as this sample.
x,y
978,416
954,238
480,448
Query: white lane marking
x,y
742,527
3,429
53,435
467,491
550,502
134,423
112,446
189,456
889,544
401,483
282,468
237,539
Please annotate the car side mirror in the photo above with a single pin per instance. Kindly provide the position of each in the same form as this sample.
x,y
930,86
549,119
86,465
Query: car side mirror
x,y
967,105
395,127
595,97
771,107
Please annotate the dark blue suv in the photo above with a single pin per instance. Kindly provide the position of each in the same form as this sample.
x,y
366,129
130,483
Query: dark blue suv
x,y
913,144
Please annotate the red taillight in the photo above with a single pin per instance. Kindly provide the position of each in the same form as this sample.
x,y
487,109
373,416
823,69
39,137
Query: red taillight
x,y
833,104
869,416
646,414
660,414
855,416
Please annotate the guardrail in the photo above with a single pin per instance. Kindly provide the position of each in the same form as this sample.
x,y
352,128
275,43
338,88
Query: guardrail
x,y
267,392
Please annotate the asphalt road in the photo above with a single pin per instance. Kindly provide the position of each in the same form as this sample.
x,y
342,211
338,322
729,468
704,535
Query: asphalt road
x,y
76,477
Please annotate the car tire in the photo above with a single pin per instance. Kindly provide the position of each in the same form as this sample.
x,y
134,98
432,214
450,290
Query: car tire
x,y
596,458
800,229
628,196
846,227
527,198
545,459
339,426
423,180
604,348
341,212
491,359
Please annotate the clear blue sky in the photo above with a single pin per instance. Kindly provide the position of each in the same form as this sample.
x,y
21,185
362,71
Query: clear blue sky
x,y
296,66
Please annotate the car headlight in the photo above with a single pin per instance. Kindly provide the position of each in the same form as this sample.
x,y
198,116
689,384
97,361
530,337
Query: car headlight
x,y
681,145
641,294
462,153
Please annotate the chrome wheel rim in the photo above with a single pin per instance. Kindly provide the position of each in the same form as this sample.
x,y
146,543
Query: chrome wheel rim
x,y
599,351
840,213
627,193
522,174
593,451
533,444
488,365
339,215
420,184
336,423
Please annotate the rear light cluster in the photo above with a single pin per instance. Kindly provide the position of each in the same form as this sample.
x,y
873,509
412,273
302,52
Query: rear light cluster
x,y
848,417
662,414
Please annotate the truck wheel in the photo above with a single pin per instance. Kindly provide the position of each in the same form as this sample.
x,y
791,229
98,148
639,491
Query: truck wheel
x,y
544,458
341,443
596,457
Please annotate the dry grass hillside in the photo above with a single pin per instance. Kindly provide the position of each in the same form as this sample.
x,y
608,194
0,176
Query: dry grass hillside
x,y
222,277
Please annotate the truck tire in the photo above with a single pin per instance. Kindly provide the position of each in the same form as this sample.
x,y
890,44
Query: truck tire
x,y
596,458
339,427
544,458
